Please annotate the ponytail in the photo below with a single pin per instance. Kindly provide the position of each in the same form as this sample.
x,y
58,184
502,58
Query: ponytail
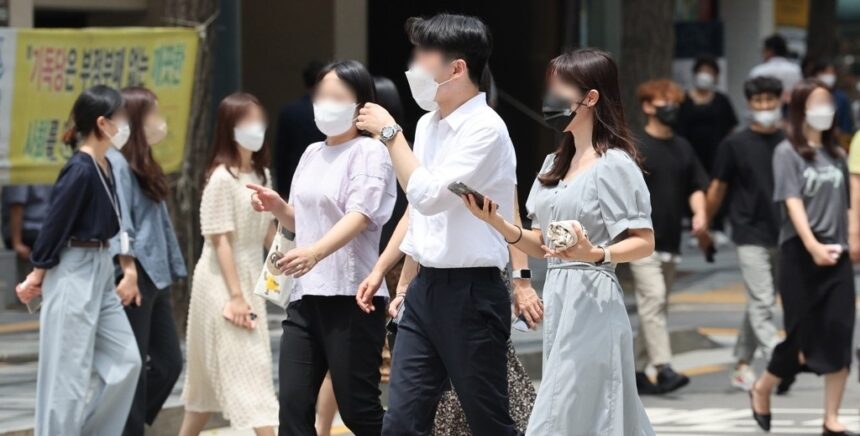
x,y
488,86
70,136
95,102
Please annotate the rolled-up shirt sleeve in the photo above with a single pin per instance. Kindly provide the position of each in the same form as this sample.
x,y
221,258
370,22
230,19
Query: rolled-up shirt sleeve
x,y
427,190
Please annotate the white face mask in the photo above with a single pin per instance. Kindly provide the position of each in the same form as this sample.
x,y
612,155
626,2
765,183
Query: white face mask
x,y
120,138
155,134
333,118
820,117
250,136
704,81
767,118
423,87
828,79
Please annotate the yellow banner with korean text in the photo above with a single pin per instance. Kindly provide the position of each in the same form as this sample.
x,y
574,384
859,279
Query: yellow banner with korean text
x,y
52,66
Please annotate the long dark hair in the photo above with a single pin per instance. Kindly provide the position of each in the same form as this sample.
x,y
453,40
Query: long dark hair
x,y
139,102
588,69
388,97
797,117
97,101
224,147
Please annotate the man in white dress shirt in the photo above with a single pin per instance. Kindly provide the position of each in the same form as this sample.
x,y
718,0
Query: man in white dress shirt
x,y
457,316
776,64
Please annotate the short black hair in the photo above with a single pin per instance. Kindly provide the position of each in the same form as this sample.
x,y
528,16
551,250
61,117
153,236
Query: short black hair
x,y
776,44
457,36
310,73
706,61
763,85
97,101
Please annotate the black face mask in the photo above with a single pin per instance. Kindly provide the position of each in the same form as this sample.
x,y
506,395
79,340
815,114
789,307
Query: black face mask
x,y
557,112
668,114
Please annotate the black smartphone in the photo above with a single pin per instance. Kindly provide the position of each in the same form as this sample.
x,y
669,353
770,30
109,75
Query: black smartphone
x,y
462,189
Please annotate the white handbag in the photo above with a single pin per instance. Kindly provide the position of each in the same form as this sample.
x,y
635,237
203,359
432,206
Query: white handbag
x,y
272,284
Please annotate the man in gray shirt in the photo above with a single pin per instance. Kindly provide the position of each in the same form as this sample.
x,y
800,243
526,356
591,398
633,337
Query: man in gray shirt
x,y
24,208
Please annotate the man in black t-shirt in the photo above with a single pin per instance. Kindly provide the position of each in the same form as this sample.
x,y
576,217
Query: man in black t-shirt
x,y
743,167
676,180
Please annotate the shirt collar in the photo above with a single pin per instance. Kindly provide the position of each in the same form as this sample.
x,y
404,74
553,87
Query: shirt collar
x,y
461,114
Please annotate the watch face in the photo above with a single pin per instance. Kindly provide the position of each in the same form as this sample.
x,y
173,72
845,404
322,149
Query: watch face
x,y
387,132
522,274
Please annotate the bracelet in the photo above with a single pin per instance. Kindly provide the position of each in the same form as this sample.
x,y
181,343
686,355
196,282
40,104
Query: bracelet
x,y
400,294
518,238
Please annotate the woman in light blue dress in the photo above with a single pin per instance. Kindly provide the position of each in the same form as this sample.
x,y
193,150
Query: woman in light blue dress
x,y
589,385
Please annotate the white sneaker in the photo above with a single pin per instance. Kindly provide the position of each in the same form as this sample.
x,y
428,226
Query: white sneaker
x,y
743,378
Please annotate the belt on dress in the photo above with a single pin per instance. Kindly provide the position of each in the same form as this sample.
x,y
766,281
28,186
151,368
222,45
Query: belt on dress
x,y
607,269
89,244
565,264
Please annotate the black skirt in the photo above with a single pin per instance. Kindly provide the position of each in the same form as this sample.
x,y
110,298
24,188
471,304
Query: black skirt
x,y
819,308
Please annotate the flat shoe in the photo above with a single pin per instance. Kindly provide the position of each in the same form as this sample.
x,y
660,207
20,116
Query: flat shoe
x,y
763,420
828,432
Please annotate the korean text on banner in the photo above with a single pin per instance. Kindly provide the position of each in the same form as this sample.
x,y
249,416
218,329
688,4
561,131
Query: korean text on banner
x,y
52,67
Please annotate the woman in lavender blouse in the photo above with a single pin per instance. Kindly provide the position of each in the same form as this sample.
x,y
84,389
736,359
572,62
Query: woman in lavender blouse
x,y
343,191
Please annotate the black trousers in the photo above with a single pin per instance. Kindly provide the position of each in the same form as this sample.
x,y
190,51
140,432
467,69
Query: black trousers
x,y
158,342
455,326
331,334
818,311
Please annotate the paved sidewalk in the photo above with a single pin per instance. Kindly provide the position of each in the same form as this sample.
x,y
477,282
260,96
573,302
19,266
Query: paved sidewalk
x,y
706,309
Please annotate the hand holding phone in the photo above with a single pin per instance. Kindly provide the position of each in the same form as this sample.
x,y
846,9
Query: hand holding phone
x,y
520,324
461,189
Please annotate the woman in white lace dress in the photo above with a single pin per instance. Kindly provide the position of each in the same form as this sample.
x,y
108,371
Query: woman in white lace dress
x,y
229,353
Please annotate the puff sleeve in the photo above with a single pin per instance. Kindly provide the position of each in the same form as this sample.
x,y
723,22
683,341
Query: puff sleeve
x,y
371,189
217,214
622,194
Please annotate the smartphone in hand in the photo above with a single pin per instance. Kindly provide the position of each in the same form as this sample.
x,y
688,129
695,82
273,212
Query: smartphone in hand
x,y
392,323
462,189
520,324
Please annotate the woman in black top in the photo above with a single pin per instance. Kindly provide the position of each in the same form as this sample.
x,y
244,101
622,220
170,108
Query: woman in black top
x,y
84,331
815,278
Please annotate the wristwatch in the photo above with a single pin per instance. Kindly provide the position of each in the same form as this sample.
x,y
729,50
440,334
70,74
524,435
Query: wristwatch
x,y
521,273
607,256
389,132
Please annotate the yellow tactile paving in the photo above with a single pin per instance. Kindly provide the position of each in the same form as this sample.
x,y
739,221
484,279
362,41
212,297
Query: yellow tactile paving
x,y
732,294
18,327
726,331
